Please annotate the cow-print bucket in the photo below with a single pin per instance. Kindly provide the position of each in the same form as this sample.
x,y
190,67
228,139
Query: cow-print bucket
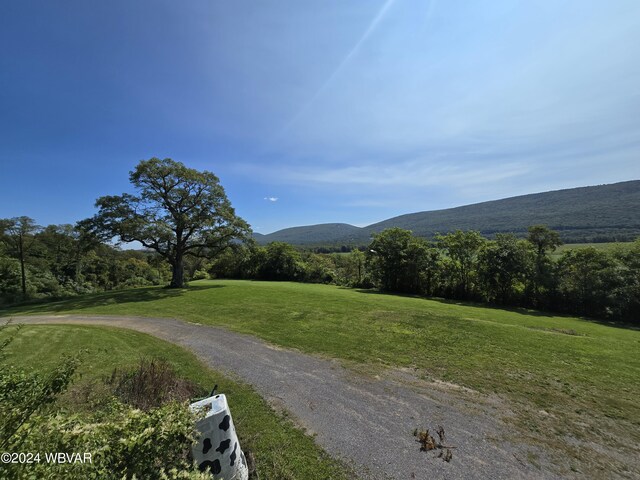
x,y
218,448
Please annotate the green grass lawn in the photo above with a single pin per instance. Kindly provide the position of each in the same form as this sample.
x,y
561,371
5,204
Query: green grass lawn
x,y
565,376
281,450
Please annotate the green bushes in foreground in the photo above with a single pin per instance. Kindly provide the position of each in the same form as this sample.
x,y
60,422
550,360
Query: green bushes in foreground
x,y
123,442
90,404
112,442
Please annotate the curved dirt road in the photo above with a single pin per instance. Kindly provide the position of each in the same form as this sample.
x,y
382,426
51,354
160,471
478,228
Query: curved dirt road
x,y
367,422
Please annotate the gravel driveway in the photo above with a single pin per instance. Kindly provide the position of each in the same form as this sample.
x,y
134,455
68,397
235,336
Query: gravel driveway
x,y
366,421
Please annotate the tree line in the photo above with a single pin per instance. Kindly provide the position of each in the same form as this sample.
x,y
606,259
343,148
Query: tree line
x,y
189,230
65,260
461,265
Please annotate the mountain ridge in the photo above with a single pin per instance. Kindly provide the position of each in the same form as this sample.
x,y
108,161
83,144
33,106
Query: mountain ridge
x,y
603,212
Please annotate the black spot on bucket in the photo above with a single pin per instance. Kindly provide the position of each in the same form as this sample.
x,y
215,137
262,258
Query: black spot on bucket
x,y
224,424
224,445
215,466
206,445
233,454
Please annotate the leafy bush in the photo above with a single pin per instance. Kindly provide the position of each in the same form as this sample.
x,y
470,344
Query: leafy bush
x,y
124,442
151,384
200,275
317,268
282,262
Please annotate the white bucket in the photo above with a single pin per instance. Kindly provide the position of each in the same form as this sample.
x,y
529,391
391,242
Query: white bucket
x,y
218,447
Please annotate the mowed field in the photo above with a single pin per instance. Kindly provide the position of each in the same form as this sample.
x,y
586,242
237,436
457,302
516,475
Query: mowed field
x,y
572,383
608,247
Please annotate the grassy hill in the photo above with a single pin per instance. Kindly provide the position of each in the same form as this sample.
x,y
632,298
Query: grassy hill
x,y
585,214
563,377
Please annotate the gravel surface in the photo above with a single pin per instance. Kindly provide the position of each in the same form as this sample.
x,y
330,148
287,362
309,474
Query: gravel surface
x,y
367,421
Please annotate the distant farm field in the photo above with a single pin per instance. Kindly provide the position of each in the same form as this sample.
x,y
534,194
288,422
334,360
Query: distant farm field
x,y
604,247
566,377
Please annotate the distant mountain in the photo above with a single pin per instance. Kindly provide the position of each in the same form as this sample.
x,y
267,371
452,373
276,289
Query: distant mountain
x,y
585,214
314,234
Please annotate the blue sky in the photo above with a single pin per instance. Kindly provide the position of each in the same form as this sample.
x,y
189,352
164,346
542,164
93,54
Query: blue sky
x,y
317,111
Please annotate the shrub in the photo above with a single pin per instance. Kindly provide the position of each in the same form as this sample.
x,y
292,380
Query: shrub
x,y
124,442
200,275
151,384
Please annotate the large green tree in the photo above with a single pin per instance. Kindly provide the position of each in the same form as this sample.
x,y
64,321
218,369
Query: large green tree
x,y
281,262
397,261
18,235
503,267
544,241
177,211
64,248
462,249
589,280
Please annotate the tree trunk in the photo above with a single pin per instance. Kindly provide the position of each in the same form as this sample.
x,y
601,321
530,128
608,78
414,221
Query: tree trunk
x,y
78,265
22,269
177,277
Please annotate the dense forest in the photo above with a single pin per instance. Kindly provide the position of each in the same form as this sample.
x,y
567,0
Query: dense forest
x,y
65,260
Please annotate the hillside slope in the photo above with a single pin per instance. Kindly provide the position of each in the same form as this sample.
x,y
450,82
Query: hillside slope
x,y
585,214
577,212
315,234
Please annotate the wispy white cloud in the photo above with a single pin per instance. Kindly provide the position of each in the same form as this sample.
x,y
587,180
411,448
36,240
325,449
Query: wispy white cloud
x,y
412,173
271,199
434,105
345,61
413,86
